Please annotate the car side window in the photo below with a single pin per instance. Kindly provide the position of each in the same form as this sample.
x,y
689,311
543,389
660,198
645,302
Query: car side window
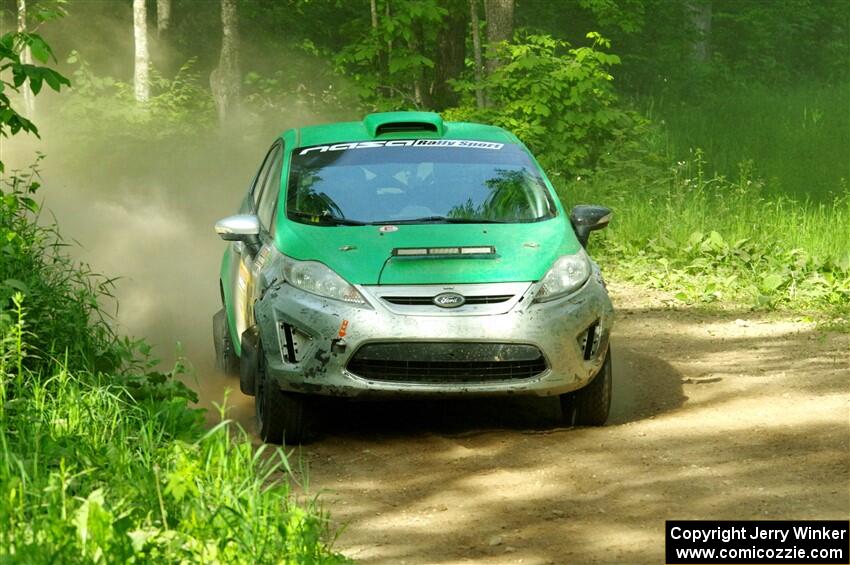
x,y
270,189
257,186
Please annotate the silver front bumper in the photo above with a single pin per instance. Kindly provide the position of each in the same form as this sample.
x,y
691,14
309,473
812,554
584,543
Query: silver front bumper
x,y
309,341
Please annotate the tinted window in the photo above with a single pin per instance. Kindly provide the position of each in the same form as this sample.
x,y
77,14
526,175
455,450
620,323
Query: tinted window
x,y
270,189
257,188
416,180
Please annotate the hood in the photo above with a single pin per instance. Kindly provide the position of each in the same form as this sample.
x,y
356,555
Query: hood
x,y
364,254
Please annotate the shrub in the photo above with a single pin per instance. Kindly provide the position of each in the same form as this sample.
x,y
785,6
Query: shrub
x,y
62,297
104,469
557,99
104,107
103,460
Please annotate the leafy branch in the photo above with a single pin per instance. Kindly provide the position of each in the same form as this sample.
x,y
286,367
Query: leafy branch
x,y
11,46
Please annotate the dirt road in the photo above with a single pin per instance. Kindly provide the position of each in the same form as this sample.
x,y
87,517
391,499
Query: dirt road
x,y
715,416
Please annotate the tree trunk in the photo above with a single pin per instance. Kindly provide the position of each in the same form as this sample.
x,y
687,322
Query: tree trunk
x,y
500,27
381,62
699,12
141,78
476,48
451,51
224,80
163,16
389,39
421,95
26,58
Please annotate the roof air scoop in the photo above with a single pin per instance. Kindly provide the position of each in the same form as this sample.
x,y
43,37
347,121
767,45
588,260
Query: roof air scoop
x,y
403,122
405,127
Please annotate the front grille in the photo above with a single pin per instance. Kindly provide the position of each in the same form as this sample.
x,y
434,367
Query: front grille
x,y
429,300
447,363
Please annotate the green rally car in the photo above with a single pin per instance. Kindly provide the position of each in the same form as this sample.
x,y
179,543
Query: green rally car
x,y
404,255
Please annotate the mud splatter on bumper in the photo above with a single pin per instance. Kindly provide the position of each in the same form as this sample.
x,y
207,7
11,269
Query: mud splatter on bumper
x,y
309,342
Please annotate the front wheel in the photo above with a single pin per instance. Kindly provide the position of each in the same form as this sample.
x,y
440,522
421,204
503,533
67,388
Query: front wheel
x,y
281,416
589,406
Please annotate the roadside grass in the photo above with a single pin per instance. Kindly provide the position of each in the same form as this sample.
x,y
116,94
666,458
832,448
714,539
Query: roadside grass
x,y
95,468
798,135
712,239
102,459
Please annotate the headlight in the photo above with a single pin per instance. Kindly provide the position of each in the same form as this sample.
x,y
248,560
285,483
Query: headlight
x,y
314,277
567,274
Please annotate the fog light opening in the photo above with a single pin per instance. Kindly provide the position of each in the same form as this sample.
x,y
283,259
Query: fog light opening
x,y
589,341
290,350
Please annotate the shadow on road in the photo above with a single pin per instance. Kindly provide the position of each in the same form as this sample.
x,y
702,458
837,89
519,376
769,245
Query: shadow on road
x,y
643,386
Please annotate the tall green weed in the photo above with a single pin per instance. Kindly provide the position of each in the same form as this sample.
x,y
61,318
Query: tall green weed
x,y
708,238
63,297
797,136
96,469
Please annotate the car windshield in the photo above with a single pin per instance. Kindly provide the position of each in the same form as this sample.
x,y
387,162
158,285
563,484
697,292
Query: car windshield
x,y
416,181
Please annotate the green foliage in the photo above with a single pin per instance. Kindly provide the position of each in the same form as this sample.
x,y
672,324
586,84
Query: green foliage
x,y
799,136
95,471
102,459
780,42
102,106
707,238
308,86
61,295
710,268
559,100
11,44
386,63
626,15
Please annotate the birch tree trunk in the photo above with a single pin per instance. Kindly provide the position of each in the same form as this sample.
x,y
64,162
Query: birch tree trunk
x,y
163,16
381,62
389,39
699,12
421,96
225,80
500,27
26,57
141,74
476,49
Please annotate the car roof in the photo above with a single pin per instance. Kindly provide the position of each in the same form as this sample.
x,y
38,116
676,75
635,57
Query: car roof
x,y
398,125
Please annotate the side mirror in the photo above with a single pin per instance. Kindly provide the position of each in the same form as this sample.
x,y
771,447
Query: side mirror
x,y
588,218
242,227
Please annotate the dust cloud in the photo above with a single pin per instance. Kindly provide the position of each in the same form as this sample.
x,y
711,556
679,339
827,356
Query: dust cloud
x,y
152,231
143,211
152,227
145,214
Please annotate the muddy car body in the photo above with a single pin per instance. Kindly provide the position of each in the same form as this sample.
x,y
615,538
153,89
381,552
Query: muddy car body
x,y
404,255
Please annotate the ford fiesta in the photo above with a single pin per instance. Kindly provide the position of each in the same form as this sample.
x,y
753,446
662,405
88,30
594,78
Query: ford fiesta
x,y
404,255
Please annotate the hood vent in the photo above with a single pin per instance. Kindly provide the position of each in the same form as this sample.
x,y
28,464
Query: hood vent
x,y
403,122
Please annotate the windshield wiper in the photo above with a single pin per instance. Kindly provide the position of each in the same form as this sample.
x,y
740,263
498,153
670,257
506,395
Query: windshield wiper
x,y
437,220
327,220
